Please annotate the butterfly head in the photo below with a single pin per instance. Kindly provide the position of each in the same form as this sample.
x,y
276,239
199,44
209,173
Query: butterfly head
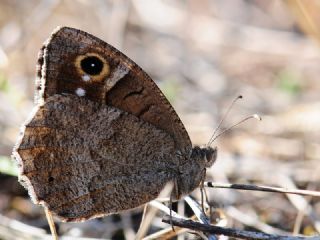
x,y
205,155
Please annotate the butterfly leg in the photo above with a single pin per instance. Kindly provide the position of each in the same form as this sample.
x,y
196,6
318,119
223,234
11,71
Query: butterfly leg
x,y
203,191
175,189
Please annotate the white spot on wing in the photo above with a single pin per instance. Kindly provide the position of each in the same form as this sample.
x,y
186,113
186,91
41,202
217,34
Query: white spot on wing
x,y
86,78
80,92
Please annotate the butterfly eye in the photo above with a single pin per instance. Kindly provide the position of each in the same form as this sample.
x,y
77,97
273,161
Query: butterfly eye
x,y
92,66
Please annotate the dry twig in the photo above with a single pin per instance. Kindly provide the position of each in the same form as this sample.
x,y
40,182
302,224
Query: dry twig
x,y
251,187
196,226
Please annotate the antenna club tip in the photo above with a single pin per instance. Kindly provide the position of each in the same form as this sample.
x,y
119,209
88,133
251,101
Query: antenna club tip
x,y
256,116
240,97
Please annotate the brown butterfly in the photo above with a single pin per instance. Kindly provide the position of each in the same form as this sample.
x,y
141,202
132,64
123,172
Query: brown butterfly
x,y
102,137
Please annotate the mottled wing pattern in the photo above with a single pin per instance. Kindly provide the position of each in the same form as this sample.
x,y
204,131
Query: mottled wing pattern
x,y
84,159
125,85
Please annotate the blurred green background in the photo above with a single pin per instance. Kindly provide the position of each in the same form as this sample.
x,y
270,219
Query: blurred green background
x,y
202,54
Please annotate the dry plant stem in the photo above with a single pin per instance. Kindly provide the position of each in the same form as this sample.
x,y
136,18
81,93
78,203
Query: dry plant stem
x,y
304,18
51,224
302,212
159,206
149,215
164,209
250,220
166,234
196,226
13,229
300,203
197,209
127,225
251,187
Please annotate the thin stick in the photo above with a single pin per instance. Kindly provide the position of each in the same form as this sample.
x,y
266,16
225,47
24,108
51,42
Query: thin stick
x,y
51,224
251,187
229,231
222,119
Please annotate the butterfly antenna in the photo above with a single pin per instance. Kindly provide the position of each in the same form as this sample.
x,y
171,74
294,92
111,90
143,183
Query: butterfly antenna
x,y
256,116
222,119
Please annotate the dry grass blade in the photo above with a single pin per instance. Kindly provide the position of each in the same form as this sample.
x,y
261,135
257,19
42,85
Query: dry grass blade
x,y
166,234
149,215
305,15
51,224
13,229
250,220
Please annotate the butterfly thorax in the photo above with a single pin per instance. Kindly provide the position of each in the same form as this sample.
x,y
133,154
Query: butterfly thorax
x,y
191,176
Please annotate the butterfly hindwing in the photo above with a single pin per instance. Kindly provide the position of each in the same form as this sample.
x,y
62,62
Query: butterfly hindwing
x,y
85,160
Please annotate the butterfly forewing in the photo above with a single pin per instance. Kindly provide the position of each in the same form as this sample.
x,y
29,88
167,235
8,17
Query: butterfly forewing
x,y
122,83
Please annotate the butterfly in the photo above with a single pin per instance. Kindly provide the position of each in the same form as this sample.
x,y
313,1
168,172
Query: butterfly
x,y
102,137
